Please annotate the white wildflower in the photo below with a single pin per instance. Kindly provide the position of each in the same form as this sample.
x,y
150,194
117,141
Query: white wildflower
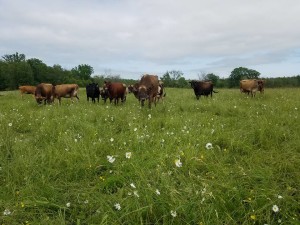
x,y
208,146
178,163
275,208
132,185
280,197
117,206
149,116
6,212
68,204
10,124
86,202
173,213
112,139
136,194
128,155
110,158
135,129
75,140
157,192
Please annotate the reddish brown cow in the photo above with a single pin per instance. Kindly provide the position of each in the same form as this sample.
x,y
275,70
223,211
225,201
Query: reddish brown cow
x,y
115,91
251,86
27,90
148,89
44,92
66,91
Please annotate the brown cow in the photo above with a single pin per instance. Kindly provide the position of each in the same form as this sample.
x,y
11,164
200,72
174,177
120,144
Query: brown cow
x,y
115,91
148,89
202,88
251,86
27,90
44,92
66,91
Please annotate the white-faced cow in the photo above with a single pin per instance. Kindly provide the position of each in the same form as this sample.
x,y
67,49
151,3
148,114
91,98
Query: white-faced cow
x,y
148,89
202,88
251,86
66,91
27,90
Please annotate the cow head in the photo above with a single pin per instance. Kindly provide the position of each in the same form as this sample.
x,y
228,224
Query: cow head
x,y
39,99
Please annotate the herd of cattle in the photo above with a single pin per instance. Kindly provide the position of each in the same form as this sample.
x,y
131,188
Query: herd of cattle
x,y
149,88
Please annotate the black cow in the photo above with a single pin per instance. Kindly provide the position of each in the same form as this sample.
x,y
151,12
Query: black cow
x,y
92,91
202,88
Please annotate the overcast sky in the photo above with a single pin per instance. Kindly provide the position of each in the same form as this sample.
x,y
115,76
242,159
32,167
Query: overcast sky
x,y
133,37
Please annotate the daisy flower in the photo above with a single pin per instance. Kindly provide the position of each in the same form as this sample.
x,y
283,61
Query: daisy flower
x,y
128,155
178,163
110,158
117,206
173,213
208,146
275,208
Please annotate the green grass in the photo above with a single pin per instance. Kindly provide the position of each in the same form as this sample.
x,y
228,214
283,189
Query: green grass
x,y
54,155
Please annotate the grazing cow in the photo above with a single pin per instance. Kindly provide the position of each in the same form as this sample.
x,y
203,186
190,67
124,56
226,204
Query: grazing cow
x,y
251,86
148,89
27,90
93,91
44,92
66,91
115,91
202,88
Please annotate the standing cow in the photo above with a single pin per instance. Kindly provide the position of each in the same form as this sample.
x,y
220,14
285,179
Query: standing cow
x,y
251,86
27,90
202,88
93,92
44,92
66,91
114,91
148,89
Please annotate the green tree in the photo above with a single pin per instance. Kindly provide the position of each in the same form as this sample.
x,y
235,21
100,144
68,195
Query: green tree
x,y
212,77
14,58
39,70
170,78
83,71
241,73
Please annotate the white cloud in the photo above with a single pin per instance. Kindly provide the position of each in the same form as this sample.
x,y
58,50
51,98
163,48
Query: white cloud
x,y
132,37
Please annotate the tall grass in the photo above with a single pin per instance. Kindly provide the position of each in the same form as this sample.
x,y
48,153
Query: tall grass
x,y
54,166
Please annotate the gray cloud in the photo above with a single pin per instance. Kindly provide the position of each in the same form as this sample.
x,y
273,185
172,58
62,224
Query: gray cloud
x,y
131,37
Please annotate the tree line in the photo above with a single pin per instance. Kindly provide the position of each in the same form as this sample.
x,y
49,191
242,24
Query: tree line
x,y
16,70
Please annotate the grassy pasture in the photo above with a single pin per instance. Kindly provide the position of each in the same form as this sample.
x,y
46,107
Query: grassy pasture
x,y
67,164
